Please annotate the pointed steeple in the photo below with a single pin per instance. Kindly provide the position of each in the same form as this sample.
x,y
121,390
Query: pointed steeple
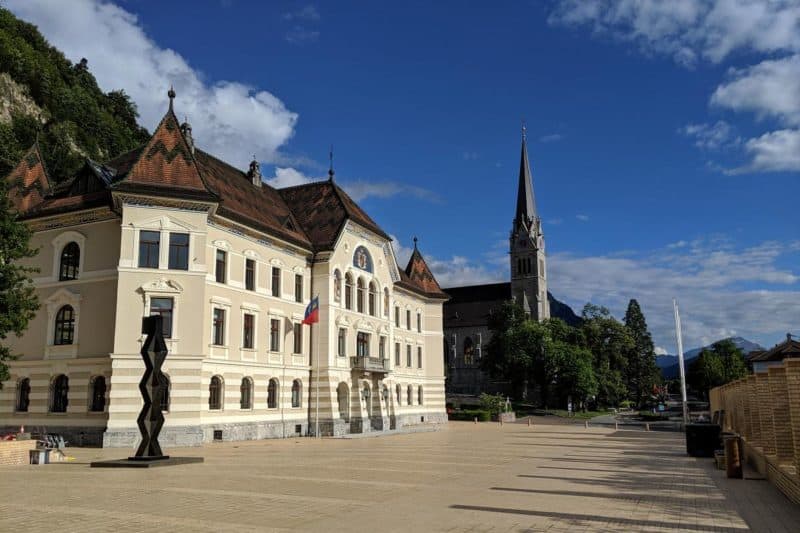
x,y
526,202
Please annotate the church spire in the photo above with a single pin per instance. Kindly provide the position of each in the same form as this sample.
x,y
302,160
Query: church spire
x,y
526,202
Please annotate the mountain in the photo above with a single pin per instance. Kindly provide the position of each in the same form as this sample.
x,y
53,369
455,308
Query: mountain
x,y
44,97
669,363
561,310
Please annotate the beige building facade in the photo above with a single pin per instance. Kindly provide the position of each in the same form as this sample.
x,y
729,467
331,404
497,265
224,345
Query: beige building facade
x,y
231,264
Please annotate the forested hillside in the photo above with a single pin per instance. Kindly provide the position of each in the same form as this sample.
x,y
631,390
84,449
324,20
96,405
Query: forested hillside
x,y
43,93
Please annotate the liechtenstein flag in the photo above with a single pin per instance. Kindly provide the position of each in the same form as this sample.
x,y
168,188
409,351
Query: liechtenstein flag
x,y
312,311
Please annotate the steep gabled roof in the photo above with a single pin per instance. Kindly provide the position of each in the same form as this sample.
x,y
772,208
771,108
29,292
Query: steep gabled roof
x,y
322,208
165,165
526,201
779,352
28,183
419,278
262,207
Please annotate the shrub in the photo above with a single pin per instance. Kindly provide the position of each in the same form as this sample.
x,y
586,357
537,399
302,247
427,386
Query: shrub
x,y
493,403
471,414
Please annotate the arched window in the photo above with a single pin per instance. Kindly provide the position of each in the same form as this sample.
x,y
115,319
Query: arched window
x,y
215,393
399,392
297,390
386,302
360,295
65,326
97,387
348,291
246,390
337,286
410,395
272,394
419,395
343,399
59,394
469,349
373,297
23,395
70,261
165,393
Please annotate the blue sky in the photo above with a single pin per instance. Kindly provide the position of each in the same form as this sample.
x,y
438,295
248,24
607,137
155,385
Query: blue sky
x,y
663,136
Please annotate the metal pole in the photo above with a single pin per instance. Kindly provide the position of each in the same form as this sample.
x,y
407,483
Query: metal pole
x,y
680,361
316,417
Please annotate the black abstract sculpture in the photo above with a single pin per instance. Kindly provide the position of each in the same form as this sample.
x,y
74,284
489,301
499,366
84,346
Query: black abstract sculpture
x,y
154,352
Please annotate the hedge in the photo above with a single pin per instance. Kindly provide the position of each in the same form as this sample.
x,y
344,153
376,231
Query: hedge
x,y
471,414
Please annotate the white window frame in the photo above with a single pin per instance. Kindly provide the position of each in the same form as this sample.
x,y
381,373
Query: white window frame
x,y
58,243
56,301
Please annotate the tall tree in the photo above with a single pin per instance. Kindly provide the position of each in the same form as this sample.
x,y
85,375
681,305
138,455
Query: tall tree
x,y
610,343
641,372
505,356
18,302
715,366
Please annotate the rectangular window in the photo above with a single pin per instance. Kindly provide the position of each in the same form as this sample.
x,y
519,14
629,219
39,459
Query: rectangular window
x,y
149,243
250,274
419,322
419,356
221,265
219,327
408,319
397,317
163,308
276,282
408,355
298,288
179,251
382,347
342,350
397,354
275,334
362,344
248,335
298,337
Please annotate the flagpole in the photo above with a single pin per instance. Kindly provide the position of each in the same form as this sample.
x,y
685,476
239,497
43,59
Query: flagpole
x,y
679,336
316,417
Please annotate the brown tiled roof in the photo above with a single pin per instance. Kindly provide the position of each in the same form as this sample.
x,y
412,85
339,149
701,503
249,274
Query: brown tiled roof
x,y
419,278
260,207
165,162
786,349
28,183
61,204
322,208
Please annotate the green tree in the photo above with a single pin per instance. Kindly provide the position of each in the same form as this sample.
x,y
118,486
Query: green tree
x,y
715,366
610,342
506,356
641,371
18,302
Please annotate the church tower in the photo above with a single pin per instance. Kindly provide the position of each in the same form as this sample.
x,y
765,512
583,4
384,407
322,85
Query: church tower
x,y
526,246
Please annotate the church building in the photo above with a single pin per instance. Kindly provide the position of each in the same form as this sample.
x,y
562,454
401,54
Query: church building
x,y
466,313
230,263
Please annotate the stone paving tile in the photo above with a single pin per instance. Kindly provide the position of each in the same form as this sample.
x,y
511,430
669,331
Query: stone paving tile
x,y
476,478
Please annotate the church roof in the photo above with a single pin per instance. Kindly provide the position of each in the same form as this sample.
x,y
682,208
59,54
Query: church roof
x,y
470,306
28,183
322,208
419,278
526,201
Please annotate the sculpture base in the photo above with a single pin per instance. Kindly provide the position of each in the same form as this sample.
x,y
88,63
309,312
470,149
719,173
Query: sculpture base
x,y
146,462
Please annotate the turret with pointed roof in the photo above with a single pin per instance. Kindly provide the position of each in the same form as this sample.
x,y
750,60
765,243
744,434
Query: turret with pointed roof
x,y
526,244
418,276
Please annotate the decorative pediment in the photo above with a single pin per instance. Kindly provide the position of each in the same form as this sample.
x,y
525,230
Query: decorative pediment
x,y
221,244
342,321
251,254
165,222
62,297
365,325
162,285
276,262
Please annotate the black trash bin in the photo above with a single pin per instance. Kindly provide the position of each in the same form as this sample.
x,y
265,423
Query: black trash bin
x,y
702,439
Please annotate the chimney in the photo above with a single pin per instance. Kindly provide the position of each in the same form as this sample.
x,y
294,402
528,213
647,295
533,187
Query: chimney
x,y
254,173
186,129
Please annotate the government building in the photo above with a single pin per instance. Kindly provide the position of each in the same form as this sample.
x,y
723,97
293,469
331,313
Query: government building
x,y
467,312
230,263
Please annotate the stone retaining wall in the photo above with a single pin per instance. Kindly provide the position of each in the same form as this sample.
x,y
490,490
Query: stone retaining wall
x,y
16,452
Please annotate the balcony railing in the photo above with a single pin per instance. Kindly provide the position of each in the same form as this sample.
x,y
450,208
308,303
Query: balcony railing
x,y
371,364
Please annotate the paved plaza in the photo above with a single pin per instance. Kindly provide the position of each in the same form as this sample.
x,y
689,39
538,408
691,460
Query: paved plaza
x,y
465,477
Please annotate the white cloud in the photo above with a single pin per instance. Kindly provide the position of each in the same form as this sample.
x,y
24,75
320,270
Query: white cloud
x,y
552,137
768,89
661,351
582,218
775,151
229,119
690,31
711,136
713,281
470,156
300,33
288,177
309,12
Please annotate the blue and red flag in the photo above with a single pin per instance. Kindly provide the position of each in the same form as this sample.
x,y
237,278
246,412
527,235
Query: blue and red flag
x,y
312,311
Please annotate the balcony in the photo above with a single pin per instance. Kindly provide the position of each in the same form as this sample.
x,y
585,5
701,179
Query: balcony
x,y
369,364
